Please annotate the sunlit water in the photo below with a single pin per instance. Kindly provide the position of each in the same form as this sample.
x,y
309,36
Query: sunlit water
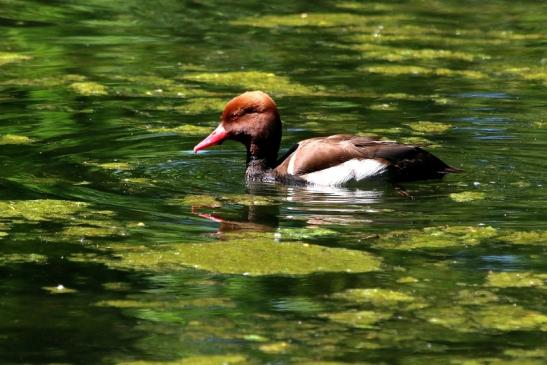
x,y
119,245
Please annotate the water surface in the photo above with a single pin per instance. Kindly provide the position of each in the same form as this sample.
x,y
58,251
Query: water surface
x,y
118,245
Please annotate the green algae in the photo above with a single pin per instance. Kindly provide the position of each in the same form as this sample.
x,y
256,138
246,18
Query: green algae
x,y
43,82
358,319
17,258
117,165
89,88
418,141
201,105
15,139
429,127
202,200
526,237
436,237
184,130
393,54
253,255
467,196
254,80
494,317
476,297
275,347
526,353
227,359
137,183
156,86
408,280
12,57
302,20
516,279
398,70
248,199
41,209
166,303
198,201
92,231
376,296
304,233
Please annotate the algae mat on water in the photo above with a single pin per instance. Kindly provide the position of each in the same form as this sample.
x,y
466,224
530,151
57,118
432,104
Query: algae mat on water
x,y
247,256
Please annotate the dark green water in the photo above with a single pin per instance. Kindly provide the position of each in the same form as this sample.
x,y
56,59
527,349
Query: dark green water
x,y
111,249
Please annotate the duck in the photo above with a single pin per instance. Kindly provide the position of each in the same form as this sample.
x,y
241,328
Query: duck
x,y
253,119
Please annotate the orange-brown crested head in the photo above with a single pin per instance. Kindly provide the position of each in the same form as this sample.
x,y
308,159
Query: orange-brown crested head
x,y
252,119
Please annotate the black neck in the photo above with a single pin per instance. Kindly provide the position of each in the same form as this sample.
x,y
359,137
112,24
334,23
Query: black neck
x,y
259,170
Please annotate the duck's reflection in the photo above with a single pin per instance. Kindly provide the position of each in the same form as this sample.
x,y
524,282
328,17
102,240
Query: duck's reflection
x,y
313,205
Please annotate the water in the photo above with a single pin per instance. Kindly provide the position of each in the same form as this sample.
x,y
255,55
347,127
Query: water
x,y
119,245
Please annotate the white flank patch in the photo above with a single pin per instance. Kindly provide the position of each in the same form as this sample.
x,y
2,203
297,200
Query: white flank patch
x,y
290,168
351,170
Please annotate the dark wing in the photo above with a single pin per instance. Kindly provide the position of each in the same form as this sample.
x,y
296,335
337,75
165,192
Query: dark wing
x,y
408,163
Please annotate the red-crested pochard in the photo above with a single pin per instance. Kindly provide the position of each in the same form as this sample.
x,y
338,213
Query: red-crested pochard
x,y
252,119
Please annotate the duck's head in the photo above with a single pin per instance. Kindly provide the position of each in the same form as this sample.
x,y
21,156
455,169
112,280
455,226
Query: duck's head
x,y
252,119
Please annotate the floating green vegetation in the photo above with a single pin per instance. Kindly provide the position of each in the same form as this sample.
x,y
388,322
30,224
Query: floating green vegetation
x,y
227,359
117,165
41,209
248,199
17,258
526,353
139,182
275,347
201,105
429,127
12,57
59,289
168,302
88,88
408,280
372,6
184,130
495,317
254,80
516,279
376,296
436,237
467,196
207,201
408,97
152,85
92,231
528,73
304,233
248,254
476,297
394,54
418,141
45,81
15,139
358,319
398,70
302,20
527,237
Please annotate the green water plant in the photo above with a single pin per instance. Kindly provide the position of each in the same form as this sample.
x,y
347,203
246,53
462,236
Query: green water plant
x,y
436,237
12,57
467,196
89,88
254,80
15,139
